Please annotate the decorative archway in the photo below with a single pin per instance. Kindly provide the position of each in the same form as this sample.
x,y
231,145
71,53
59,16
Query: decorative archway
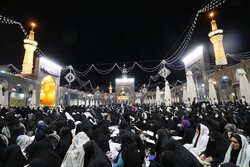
x,y
226,88
17,96
48,91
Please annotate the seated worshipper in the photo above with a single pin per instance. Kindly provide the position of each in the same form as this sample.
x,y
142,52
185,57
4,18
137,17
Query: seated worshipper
x,y
216,149
128,155
53,138
170,159
187,132
3,144
64,142
13,156
200,140
123,124
229,130
94,154
212,124
42,150
23,141
13,127
183,154
238,152
37,162
161,138
99,137
140,146
75,154
41,126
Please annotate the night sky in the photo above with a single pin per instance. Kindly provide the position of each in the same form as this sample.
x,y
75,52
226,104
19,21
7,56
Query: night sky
x,y
104,32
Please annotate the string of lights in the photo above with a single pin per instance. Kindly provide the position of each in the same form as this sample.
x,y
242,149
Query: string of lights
x,y
181,67
239,56
8,66
107,71
104,72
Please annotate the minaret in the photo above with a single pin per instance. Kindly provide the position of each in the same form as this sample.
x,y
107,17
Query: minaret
x,y
124,72
30,46
110,88
216,37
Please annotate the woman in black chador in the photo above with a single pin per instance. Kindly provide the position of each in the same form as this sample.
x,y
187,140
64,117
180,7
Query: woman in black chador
x,y
184,155
128,153
216,149
94,154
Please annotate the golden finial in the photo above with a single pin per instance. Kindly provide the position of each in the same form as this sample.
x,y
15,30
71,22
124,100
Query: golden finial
x,y
33,25
212,15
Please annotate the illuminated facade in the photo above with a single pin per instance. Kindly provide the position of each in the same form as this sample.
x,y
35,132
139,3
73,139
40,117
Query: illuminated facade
x,y
197,63
48,74
216,37
125,88
42,83
19,89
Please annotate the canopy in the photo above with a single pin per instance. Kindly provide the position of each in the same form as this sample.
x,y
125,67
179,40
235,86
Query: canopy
x,y
212,92
33,98
158,96
1,95
191,89
6,99
167,94
184,94
244,85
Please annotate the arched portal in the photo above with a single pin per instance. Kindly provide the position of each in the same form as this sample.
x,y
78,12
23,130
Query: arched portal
x,y
48,91
226,88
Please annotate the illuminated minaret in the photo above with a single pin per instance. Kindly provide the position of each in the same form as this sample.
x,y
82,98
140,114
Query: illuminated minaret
x,y
216,37
30,46
110,88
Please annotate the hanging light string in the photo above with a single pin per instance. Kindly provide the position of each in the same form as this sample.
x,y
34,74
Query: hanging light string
x,y
104,72
91,86
148,69
176,55
8,66
6,20
107,71
239,56
213,4
155,78
177,82
180,67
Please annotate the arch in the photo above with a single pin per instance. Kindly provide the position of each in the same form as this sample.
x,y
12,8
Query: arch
x,y
48,91
226,88
197,75
4,82
17,96
199,83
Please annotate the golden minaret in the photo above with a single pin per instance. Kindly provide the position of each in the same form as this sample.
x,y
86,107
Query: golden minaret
x,y
110,88
216,37
30,46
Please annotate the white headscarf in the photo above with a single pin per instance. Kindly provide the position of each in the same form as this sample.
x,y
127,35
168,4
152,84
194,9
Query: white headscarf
x,y
75,154
244,154
201,143
6,131
23,141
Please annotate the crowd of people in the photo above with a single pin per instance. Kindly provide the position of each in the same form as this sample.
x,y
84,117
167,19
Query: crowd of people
x,y
180,135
